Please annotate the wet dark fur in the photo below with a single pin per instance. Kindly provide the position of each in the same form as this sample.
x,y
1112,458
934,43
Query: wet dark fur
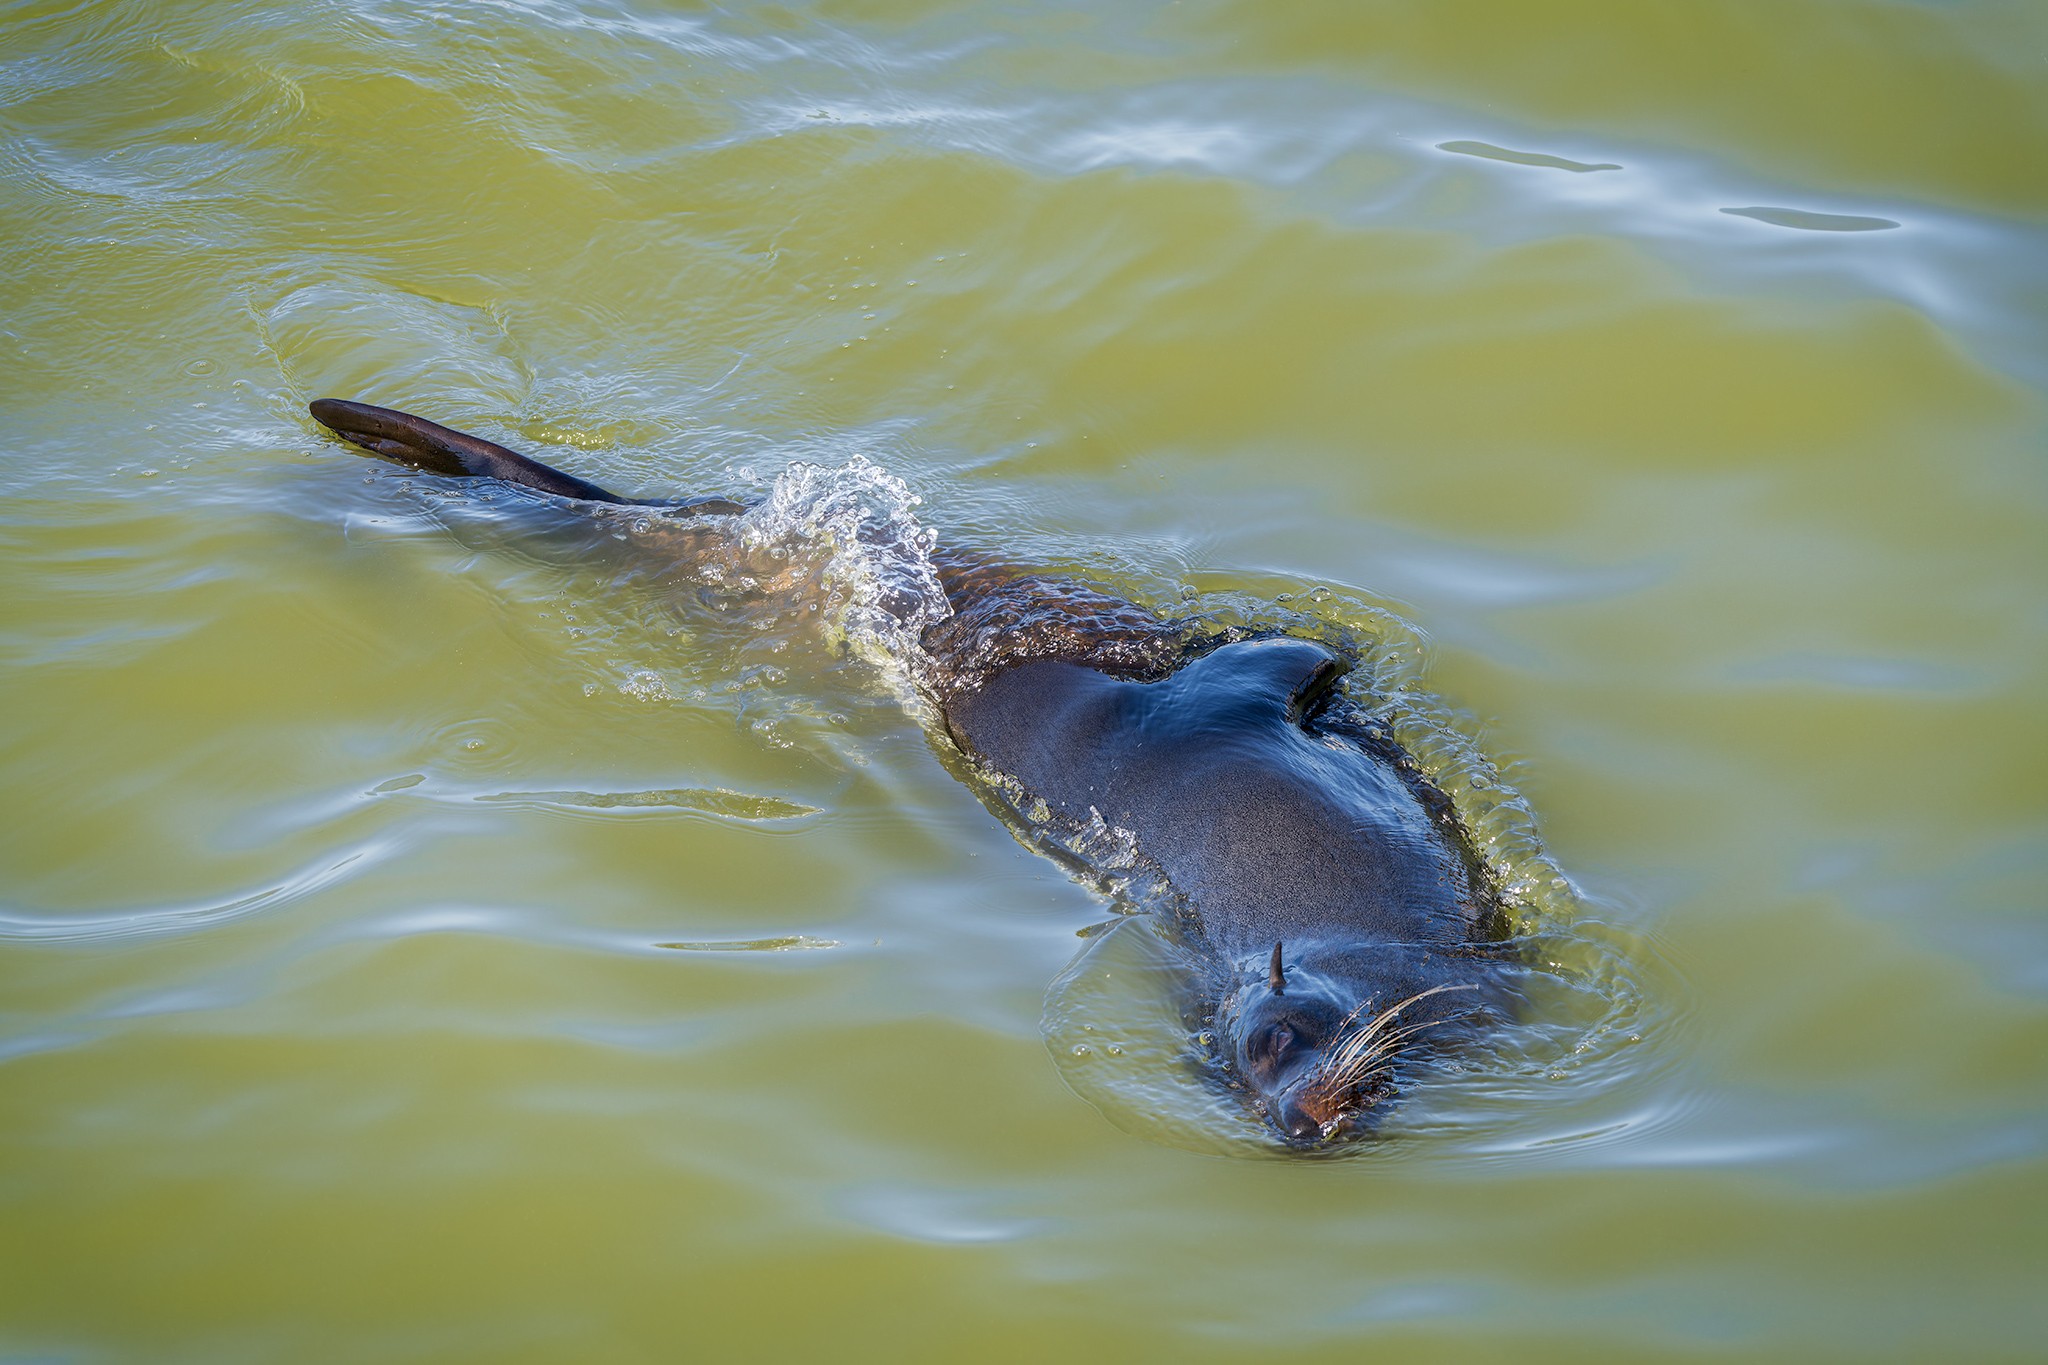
x,y
1276,812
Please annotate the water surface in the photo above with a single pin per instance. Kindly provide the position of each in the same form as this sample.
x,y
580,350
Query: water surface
x,y
433,930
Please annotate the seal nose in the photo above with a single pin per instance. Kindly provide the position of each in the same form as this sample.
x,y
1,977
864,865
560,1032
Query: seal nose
x,y
1294,1122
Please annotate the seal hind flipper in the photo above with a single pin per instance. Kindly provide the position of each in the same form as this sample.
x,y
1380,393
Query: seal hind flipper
x,y
443,450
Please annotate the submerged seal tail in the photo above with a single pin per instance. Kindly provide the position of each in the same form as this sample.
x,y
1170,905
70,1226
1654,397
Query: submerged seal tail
x,y
443,450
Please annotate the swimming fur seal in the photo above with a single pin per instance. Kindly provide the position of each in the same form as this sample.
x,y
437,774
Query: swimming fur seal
x,y
1344,925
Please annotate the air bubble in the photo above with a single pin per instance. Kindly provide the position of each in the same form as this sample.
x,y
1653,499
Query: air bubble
x,y
646,685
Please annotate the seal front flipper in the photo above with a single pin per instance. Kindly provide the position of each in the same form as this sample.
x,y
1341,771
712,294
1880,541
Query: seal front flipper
x,y
1279,674
443,450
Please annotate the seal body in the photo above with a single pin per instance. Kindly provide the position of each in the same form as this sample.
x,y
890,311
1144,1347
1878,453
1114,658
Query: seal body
x,y
1343,923
1325,882
1276,830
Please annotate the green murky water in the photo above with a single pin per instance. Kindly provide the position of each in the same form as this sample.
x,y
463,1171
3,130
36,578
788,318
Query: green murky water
x,y
427,933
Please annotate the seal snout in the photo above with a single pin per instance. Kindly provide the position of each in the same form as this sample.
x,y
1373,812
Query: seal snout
x,y
1295,1122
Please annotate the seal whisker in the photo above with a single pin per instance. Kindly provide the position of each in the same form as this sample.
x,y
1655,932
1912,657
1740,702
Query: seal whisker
x,y
1360,1068
1362,1054
1379,1028
1361,1059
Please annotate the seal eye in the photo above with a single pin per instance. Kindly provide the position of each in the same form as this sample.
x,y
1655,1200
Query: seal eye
x,y
1272,1046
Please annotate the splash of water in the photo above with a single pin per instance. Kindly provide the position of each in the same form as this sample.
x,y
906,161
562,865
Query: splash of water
x,y
850,534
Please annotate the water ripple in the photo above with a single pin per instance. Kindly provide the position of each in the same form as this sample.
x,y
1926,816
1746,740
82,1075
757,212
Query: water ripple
x,y
150,921
718,801
1808,221
1493,153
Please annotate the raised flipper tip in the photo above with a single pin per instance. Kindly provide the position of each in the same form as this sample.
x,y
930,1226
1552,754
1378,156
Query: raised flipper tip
x,y
356,421
444,450
328,411
398,435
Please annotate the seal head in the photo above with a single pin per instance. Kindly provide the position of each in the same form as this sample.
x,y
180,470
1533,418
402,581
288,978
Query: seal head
x,y
1315,1057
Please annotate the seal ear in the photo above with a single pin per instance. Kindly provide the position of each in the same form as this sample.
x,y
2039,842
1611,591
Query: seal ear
x,y
1276,977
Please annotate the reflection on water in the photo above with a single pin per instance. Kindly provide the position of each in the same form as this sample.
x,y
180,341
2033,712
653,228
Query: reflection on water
x,y
728,805
1814,222
1493,153
145,921
759,945
1691,516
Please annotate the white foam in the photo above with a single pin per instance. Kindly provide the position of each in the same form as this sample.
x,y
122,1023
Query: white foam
x,y
853,529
